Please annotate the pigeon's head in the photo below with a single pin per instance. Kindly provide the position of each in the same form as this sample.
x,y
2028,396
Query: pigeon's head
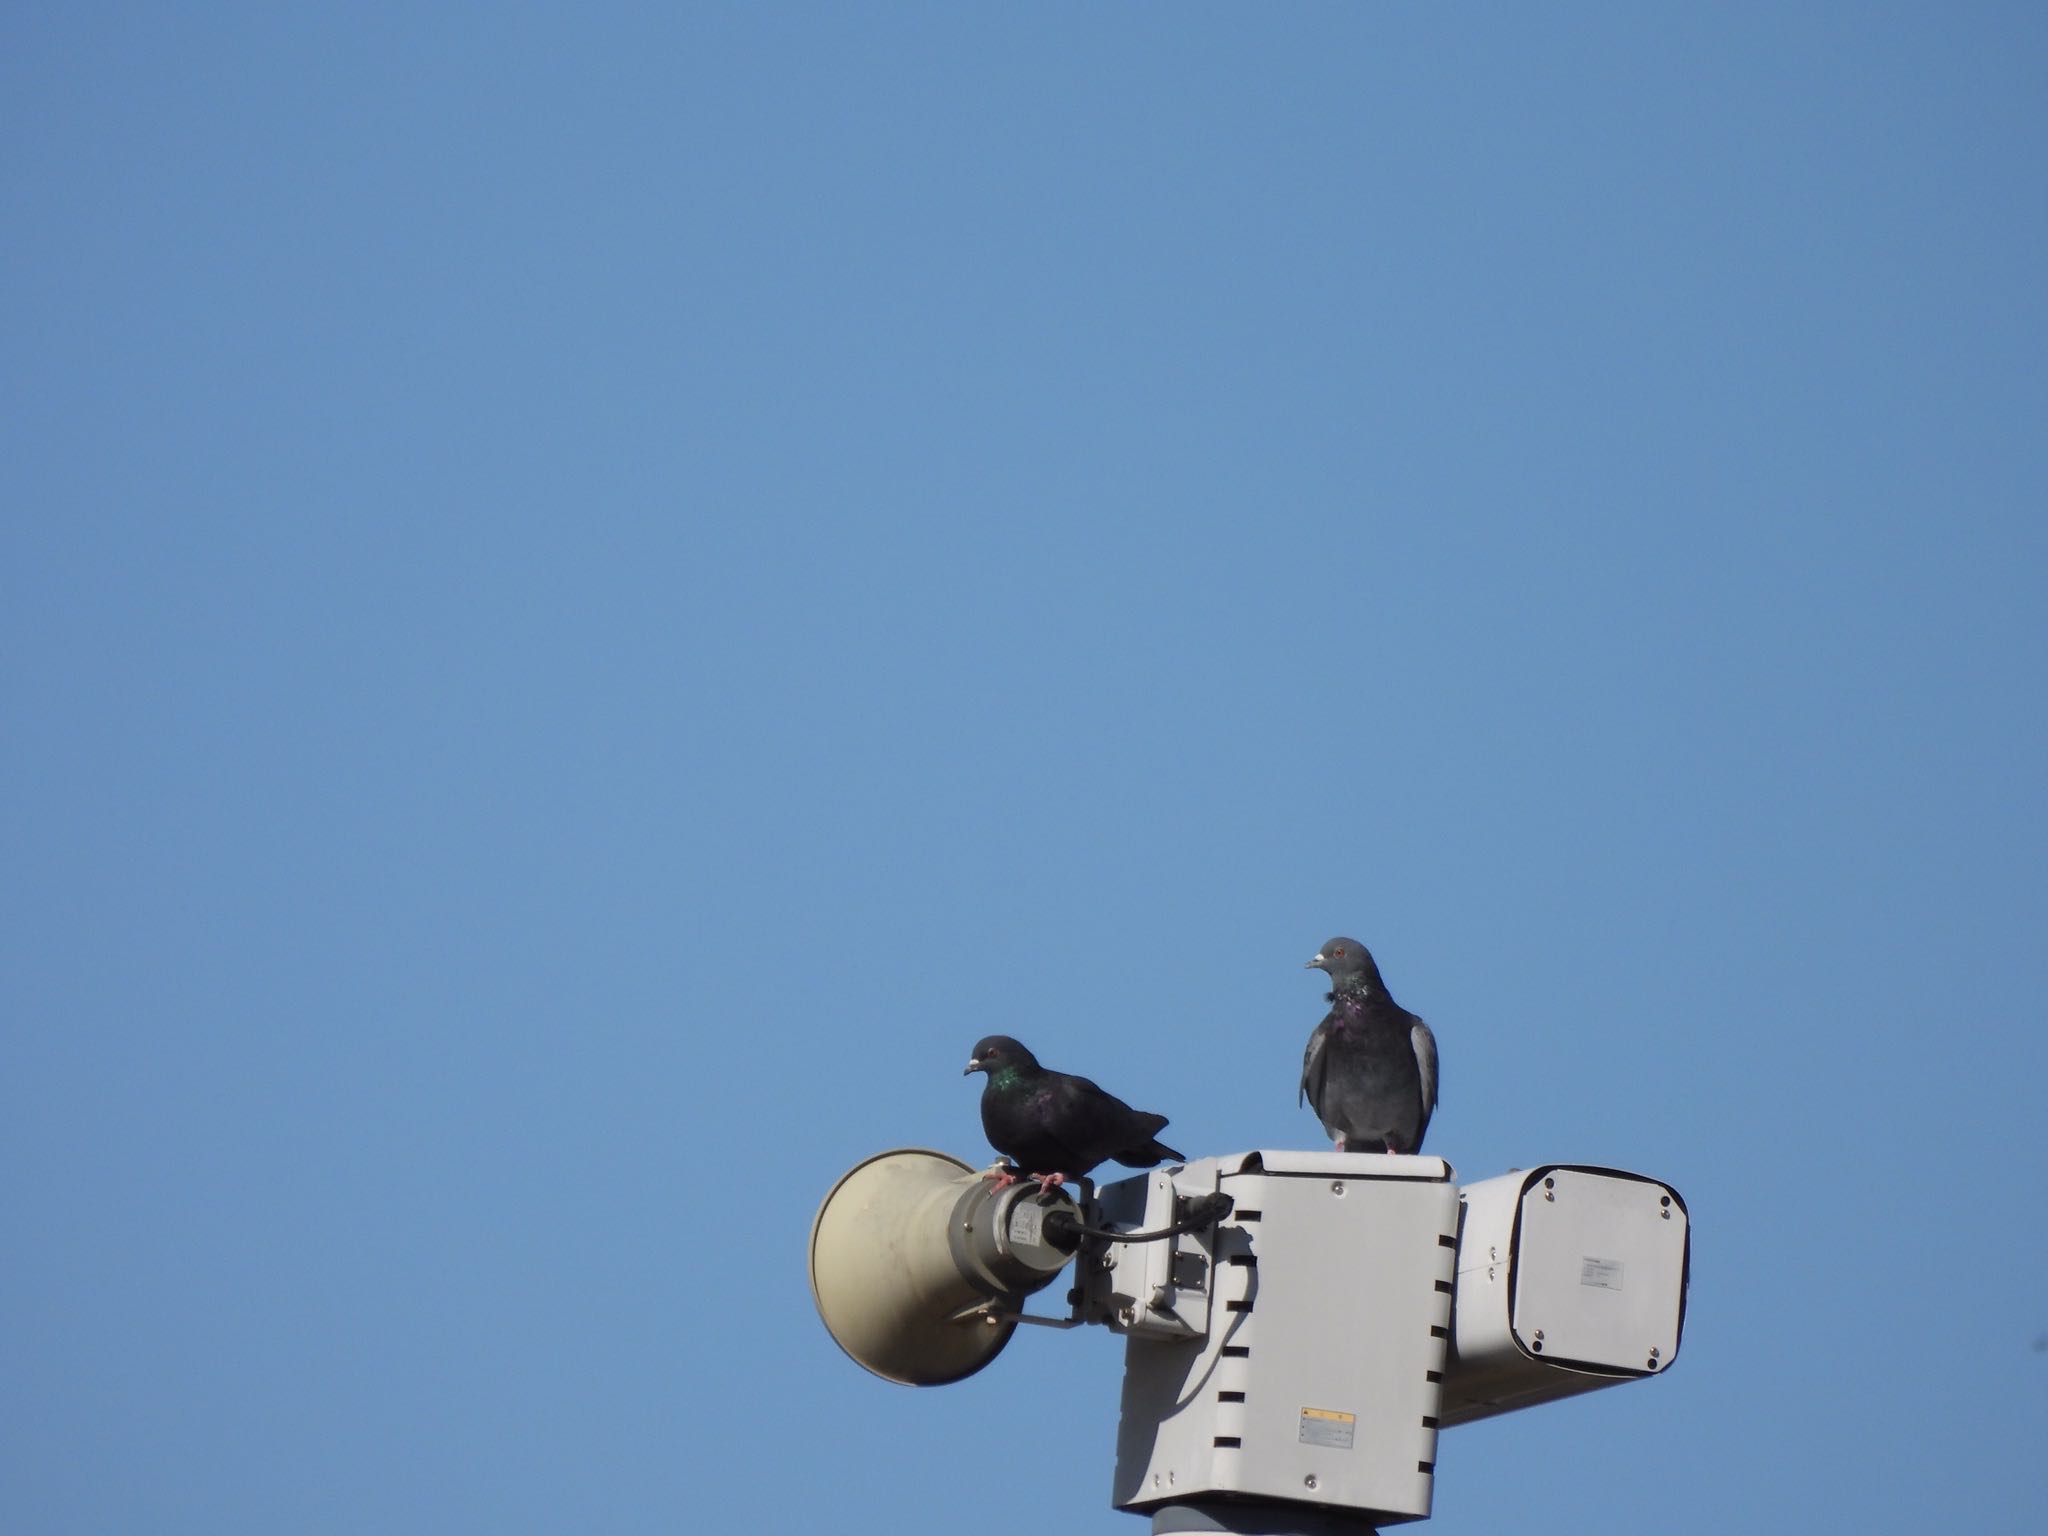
x,y
997,1052
1347,961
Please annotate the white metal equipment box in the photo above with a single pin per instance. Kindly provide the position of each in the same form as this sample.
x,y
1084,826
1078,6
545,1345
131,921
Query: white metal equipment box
x,y
1569,1278
1310,1368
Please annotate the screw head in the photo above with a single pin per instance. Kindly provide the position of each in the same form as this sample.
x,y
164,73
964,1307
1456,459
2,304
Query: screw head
x,y
1310,1482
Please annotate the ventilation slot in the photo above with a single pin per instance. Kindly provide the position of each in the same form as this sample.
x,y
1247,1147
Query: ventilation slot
x,y
1237,1351
1229,1397
1229,1442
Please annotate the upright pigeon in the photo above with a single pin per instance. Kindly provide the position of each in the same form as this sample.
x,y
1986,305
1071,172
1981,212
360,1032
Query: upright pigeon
x,y
1370,1068
1055,1126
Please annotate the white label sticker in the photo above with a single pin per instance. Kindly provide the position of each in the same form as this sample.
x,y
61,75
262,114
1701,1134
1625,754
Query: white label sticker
x,y
1327,1427
1027,1224
1604,1273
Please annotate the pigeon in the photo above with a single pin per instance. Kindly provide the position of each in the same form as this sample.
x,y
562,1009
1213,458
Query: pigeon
x,y
1055,1126
1370,1069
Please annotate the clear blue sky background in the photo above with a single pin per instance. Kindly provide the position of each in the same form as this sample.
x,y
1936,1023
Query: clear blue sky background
x,y
591,593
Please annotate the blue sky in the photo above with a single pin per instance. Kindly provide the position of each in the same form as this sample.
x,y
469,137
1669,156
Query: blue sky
x,y
591,594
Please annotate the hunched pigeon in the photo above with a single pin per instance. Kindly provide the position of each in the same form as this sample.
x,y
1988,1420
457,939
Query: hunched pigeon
x,y
1055,1126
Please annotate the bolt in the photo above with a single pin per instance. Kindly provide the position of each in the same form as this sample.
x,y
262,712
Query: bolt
x,y
1337,1188
1655,1352
1309,1482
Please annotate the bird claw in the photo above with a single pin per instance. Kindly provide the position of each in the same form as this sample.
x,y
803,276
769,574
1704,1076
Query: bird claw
x,y
1001,1177
1048,1182
1386,1145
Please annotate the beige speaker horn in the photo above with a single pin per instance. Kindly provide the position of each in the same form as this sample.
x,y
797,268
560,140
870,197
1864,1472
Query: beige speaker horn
x,y
916,1259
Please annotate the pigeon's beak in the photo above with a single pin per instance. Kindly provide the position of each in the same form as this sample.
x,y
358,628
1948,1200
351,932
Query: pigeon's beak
x,y
973,1066
1313,964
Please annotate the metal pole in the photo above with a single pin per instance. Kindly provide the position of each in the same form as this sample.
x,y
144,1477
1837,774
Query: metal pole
x,y
1204,1518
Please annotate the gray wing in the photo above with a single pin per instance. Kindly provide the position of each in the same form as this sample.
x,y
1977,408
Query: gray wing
x,y
1313,1066
1425,1060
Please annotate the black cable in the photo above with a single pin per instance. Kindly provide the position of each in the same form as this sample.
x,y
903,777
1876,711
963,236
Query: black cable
x,y
1196,1213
